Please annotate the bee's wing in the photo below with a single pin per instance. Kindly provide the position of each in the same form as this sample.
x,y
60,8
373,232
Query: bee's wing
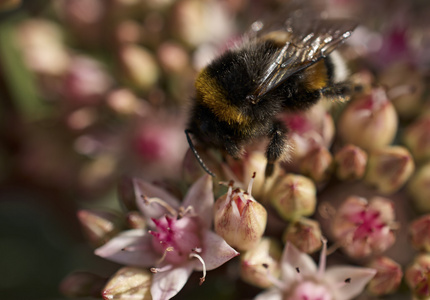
x,y
308,41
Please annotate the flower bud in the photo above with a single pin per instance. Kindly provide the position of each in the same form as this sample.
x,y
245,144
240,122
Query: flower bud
x,y
293,196
82,284
317,164
261,260
99,226
417,138
388,277
139,66
370,122
350,162
129,283
389,168
364,227
417,276
420,190
305,234
239,219
419,232
405,87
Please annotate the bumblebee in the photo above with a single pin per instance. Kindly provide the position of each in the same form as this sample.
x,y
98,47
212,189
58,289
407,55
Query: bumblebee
x,y
281,67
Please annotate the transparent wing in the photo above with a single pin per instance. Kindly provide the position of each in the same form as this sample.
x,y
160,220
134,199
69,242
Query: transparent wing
x,y
306,41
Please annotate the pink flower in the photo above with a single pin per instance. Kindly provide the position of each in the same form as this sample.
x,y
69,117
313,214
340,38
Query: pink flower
x,y
179,241
302,279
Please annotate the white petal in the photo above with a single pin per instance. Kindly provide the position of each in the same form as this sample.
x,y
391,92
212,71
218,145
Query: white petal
x,y
167,284
293,259
272,294
139,252
143,188
359,277
215,251
200,196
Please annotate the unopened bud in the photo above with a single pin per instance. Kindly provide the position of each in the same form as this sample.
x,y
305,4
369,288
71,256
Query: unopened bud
x,y
364,227
317,164
293,196
417,276
260,261
369,122
417,138
389,168
82,284
239,219
388,277
139,66
419,189
129,283
99,226
305,234
419,231
350,162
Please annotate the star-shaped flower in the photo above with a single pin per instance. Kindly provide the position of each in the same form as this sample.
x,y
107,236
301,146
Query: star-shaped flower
x,y
301,279
178,242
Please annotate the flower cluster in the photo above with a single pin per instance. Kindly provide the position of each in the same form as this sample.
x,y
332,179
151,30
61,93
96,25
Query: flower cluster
x,y
102,90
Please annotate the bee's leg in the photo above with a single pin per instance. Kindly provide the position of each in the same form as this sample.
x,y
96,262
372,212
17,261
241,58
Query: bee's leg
x,y
341,91
276,147
232,148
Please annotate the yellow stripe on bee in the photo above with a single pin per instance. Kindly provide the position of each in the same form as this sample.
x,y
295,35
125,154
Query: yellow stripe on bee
x,y
212,96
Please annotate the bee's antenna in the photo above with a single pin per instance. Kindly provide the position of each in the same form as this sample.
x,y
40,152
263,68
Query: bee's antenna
x,y
199,159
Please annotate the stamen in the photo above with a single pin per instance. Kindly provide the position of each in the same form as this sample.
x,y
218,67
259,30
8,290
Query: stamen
x,y
251,182
168,249
323,258
186,211
203,278
163,269
160,202
229,192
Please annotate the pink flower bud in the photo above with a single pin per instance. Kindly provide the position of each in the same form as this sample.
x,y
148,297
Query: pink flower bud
x,y
82,284
364,227
417,138
370,122
259,261
388,277
293,196
419,189
419,231
305,234
389,168
239,219
129,283
99,226
417,276
317,164
350,162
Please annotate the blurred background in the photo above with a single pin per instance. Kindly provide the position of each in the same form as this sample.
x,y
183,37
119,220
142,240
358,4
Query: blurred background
x,y
94,90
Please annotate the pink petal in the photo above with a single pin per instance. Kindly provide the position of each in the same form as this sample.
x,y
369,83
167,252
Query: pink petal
x,y
143,188
132,247
167,284
359,277
272,294
215,251
293,259
200,196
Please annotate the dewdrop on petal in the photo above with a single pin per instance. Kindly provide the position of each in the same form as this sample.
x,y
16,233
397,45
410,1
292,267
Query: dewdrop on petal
x,y
257,262
388,277
239,219
293,196
389,168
